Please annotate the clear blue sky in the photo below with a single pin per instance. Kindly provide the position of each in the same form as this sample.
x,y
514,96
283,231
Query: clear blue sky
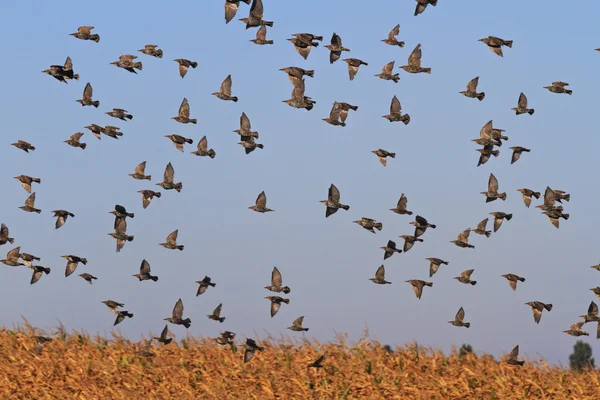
x,y
327,262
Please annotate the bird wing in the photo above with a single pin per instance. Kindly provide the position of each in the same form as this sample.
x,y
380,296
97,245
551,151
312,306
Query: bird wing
x,y
464,235
498,223
492,184
303,50
549,198
560,84
127,57
172,238
593,309
261,200
298,92
4,230
165,332
577,326
298,322
276,279
515,156
513,284
537,315
380,273
85,29
140,168
261,34
226,86
414,60
178,310
230,11
217,311
68,64
481,226
352,71
60,221
248,355
87,92
402,202
14,253
514,353
169,174
274,308
527,200
184,109
121,226
522,101
257,10
472,85
417,288
203,144
334,194
76,136
460,315
391,244
467,273
70,268
388,68
395,107
421,221
334,114
144,268
245,122
30,201
394,32
485,132
336,40
182,70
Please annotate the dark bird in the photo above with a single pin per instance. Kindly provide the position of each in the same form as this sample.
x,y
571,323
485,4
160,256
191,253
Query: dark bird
x,y
4,235
499,217
494,134
250,348
120,212
30,204
171,242
335,48
61,217
28,259
224,92
62,72
179,141
434,265
85,33
140,172
261,36
395,114
277,283
334,116
401,206
517,150
333,201
492,192
380,276
486,153
112,305
126,62
177,316
421,225
522,106
38,271
23,145
245,131
297,325
527,194
559,87
390,249
422,5
465,277
147,196
302,44
480,230
88,277
592,314
26,181
418,286
204,284
495,44
112,131
353,66
120,234
459,319
382,155
184,65
596,291
144,274
203,149
163,336
295,73
472,90
226,338
72,263
12,258
151,50
216,315
299,100
255,18
168,182
391,39
120,114
73,141
414,62
145,347
537,307
513,279
96,130
250,145
317,363
344,109
276,303
121,316
369,224
512,357
184,113
463,239
261,204
387,73
87,97
575,329
231,8
409,242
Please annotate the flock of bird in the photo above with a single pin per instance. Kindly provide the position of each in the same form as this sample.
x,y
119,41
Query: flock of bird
x,y
490,138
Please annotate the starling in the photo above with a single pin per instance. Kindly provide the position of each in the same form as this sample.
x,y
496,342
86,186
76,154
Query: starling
x,y
171,243
216,315
492,193
395,114
409,242
527,194
299,100
112,131
204,284
517,150
87,97
549,200
418,285
297,325
140,173
121,316
382,155
561,195
596,291
261,36
369,224
12,258
26,181
38,271
344,109
112,305
261,204
62,72
296,73
120,234
23,145
147,196
317,363
465,277
255,18
84,33
277,283
61,217
88,277
308,39
184,65
414,62
559,87
486,153
30,204
184,113
72,263
537,307
96,130
251,347
251,145
422,5
224,92
333,201
179,141
391,39
401,206
231,8
74,141
145,346
303,45
495,44
151,50
489,132
472,90
144,274
522,106
276,303
390,249
334,116
480,230
120,114
245,130
592,314
163,336
434,265
576,330
512,357
353,66
499,217
177,316
28,259
126,62
4,235
421,225
513,279
226,338
463,239
380,276
168,180
335,48
120,212
203,150
387,73
459,319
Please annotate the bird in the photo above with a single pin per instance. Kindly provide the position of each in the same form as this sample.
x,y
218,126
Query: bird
x,y
163,336
177,316
140,172
151,50
84,33
216,315
276,303
113,305
302,44
344,109
126,62
250,348
499,217
119,113
120,212
513,280
87,97
561,195
422,5
434,265
96,130
335,48
179,141
5,235
559,87
395,114
353,66
231,8
245,130
409,242
12,258
203,150
224,92
23,145
30,204
88,277
488,132
418,286
261,36
596,291
144,274
171,241
459,319
62,72
471,91
120,234
380,276
72,263
145,347
296,73
261,204
250,145
522,106
486,152
121,316
204,284
575,329
537,307
112,131
28,259
61,217
421,225
255,18
495,44
401,206
512,357
184,113
333,201
390,249
463,239
147,196
184,65
387,73
297,325
414,62
226,338
26,181
592,314
369,224
73,141
382,155
299,100
38,272
527,194
517,150
465,277
334,116
391,39
596,267
168,182
492,192
480,230
317,363
277,283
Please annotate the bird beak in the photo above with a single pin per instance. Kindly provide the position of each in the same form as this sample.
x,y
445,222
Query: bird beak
x,y
165,319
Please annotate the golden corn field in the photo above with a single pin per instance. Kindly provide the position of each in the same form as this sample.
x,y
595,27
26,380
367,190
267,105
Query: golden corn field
x,y
77,366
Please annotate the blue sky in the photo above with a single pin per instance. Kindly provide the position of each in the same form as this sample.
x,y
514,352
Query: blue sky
x,y
326,262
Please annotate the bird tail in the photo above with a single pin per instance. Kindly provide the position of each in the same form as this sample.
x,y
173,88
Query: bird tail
x,y
76,77
432,226
40,211
354,108
496,153
158,53
286,290
128,314
419,239
260,146
508,43
234,99
138,65
129,116
194,121
565,216
471,246
467,324
269,42
157,194
426,70
488,233
193,64
213,284
130,215
149,177
178,187
36,180
508,217
96,103
396,78
83,146
310,73
530,111
522,279
393,155
536,195
180,247
406,120
318,38
47,270
378,226
211,153
548,307
286,301
502,196
481,96
473,283
11,240
569,92
187,322
342,124
345,207
567,197
190,141
430,284
221,319
130,238
83,261
268,23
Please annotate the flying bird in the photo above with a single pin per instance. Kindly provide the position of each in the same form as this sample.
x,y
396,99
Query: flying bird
x,y
395,114
203,150
380,276
30,204
335,48
216,314
334,116
74,141
517,150
480,230
179,141
72,263
559,87
465,277
513,280
414,62
5,235
522,106
120,234
88,277
388,74
144,274
171,241
184,113
333,201
499,217
276,303
422,5
224,92
261,203
177,316
126,62
418,286
297,325
434,265
204,284
369,224
250,348
575,329
463,239
168,182
62,72
512,357
495,44
184,65
409,242
87,97
261,36
401,206
23,145
61,217
492,192
391,39
471,91
147,196
12,258
277,283
382,155
255,18
353,66
421,225
119,113
26,181
459,319
140,172
527,194
390,249
151,50
85,33
163,336
537,307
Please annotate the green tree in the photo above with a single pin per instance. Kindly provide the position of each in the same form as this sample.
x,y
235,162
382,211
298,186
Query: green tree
x,y
464,350
581,357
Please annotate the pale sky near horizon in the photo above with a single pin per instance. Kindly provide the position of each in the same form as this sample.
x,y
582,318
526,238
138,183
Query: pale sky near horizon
x,y
326,262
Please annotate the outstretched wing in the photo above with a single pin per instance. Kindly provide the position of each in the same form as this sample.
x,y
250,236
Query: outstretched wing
x,y
472,85
178,310
184,109
395,107
169,174
172,238
261,200
276,279
394,32
414,60
226,86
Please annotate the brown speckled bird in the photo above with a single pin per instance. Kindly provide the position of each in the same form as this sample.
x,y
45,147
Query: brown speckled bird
x,y
85,33
513,279
121,316
216,314
391,39
120,114
120,234
380,276
422,5
231,8
303,44
299,100
26,181
486,152
522,106
297,325
250,349
250,145
30,204
596,291
38,272
120,212
23,145
387,73
492,192
295,73
277,283
144,274
333,201
369,224
87,97
382,155
334,116
12,258
245,131
401,206
261,37
88,277
390,249
96,130
204,284
489,132
499,217
409,242
147,196
353,66
495,44
395,114
72,263
471,91
184,65
126,62
512,357
203,150
421,225
434,265
592,314
168,182
179,141
226,339
177,316
517,150
261,204
459,319
112,131
418,286
480,230
575,329
276,303
184,113
140,172
5,235
28,259
163,336
559,87
151,50
414,62
61,217
463,239
537,307
62,72
74,141
527,194
344,109
255,18
224,92
465,277
335,48
171,241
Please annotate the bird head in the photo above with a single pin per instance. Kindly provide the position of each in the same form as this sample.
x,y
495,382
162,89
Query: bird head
x,y
73,34
323,201
114,63
404,67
